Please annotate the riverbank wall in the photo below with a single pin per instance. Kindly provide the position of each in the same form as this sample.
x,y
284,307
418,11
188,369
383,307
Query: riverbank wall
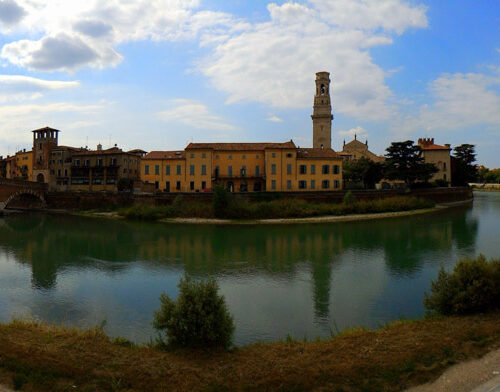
x,y
104,200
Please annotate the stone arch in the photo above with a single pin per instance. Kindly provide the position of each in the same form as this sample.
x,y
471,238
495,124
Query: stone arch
x,y
21,192
40,177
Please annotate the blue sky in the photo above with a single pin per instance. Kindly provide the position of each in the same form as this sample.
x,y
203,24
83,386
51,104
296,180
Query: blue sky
x,y
157,74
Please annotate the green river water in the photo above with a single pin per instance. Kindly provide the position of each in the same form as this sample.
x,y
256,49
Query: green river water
x,y
302,280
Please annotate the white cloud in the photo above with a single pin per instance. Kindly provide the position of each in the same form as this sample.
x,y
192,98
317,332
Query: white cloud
x,y
194,114
79,33
358,132
460,101
10,13
20,87
275,119
274,62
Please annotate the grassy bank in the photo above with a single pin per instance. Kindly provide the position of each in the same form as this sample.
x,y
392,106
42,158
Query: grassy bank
x,y
274,209
35,357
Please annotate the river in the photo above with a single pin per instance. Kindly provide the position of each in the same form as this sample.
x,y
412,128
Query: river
x,y
303,280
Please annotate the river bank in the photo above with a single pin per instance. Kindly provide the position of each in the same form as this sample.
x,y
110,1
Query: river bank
x,y
40,357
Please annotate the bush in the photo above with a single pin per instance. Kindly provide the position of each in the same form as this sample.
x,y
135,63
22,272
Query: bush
x,y
125,184
349,198
199,318
220,201
472,287
441,183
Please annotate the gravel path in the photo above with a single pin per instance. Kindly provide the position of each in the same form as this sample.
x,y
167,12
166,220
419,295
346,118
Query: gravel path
x,y
480,375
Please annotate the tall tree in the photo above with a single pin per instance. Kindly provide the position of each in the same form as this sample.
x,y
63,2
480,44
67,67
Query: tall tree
x,y
465,170
404,162
363,170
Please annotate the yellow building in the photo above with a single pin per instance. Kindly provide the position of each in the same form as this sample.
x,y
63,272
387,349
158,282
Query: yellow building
x,y
355,150
24,165
243,167
439,156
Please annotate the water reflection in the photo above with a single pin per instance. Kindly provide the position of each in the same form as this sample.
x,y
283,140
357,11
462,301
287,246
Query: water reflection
x,y
338,268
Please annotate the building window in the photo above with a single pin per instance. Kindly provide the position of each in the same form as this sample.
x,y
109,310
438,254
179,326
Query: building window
x,y
157,185
178,170
289,155
157,169
204,155
178,185
288,184
444,176
273,168
289,168
273,184
217,171
257,171
87,162
230,157
444,166
146,169
335,169
313,184
191,155
191,185
113,161
243,171
203,170
326,169
273,155
336,184
191,170
303,169
203,185
302,184
230,171
313,169
59,173
167,170
257,156
325,184
65,172
243,156
217,156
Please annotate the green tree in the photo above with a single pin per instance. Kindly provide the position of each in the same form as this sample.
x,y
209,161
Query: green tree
x,y
404,162
363,170
220,201
198,318
465,170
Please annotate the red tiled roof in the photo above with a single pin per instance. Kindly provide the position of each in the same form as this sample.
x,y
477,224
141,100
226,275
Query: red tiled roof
x,y
46,129
239,146
317,153
109,151
165,155
69,148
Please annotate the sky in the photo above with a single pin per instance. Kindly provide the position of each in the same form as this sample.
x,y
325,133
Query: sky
x,y
158,74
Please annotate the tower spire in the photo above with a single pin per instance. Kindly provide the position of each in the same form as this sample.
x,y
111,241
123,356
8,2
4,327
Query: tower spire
x,y
322,112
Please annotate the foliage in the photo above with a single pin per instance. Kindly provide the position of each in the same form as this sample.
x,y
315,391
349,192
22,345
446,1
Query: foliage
x,y
363,170
489,176
465,170
282,208
441,183
405,162
125,184
220,201
472,287
198,318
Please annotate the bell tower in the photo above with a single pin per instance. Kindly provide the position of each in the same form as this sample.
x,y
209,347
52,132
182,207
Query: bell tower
x,y
322,113
44,140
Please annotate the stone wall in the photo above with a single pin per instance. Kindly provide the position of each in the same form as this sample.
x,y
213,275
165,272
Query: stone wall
x,y
88,200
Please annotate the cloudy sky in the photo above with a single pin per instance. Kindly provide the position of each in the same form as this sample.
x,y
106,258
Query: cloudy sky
x,y
157,74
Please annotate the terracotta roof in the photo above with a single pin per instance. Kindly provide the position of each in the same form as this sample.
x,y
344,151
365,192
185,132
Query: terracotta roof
x,y
165,155
69,148
137,151
46,129
317,153
434,147
239,146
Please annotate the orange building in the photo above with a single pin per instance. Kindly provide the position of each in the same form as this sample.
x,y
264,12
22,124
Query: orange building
x,y
439,156
24,165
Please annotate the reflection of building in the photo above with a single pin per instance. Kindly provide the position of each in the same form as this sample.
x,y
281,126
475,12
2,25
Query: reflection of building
x,y
355,150
439,156
254,167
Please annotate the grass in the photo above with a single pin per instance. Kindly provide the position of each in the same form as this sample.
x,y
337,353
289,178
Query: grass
x,y
282,208
39,357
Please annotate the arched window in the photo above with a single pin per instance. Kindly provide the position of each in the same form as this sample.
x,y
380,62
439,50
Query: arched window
x,y
322,89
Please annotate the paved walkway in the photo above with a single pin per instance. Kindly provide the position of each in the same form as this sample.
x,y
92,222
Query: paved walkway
x,y
480,375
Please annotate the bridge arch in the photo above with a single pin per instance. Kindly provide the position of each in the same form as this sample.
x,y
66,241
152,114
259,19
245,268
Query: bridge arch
x,y
22,192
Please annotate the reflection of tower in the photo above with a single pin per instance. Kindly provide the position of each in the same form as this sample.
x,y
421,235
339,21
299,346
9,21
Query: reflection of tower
x,y
44,140
321,275
322,114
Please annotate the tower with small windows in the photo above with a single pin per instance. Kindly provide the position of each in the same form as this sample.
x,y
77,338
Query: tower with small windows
x,y
322,112
44,140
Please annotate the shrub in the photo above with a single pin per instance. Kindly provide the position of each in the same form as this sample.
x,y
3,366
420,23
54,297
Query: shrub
x,y
220,201
349,198
441,183
125,184
472,287
199,318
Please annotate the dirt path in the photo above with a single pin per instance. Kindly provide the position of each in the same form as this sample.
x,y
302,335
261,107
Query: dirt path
x,y
480,375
